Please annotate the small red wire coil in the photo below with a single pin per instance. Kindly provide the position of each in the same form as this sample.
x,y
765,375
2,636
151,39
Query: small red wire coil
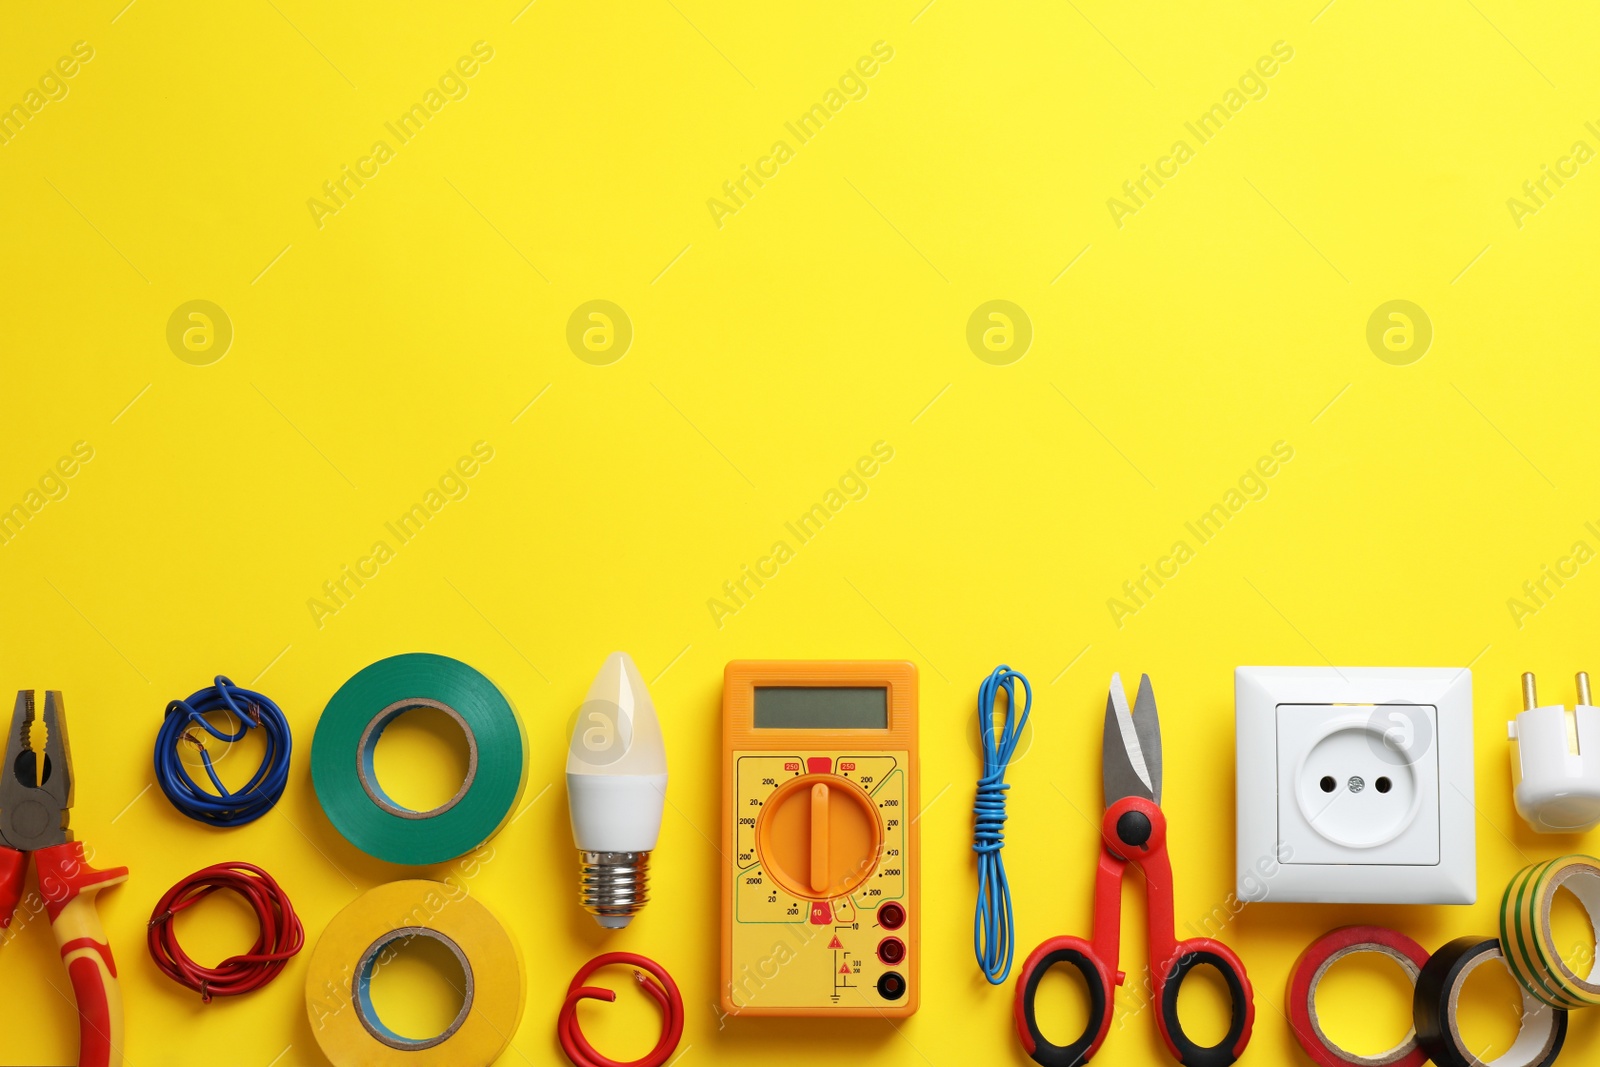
x,y
658,985
280,936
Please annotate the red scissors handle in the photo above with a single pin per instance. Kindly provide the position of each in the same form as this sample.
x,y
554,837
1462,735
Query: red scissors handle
x,y
1075,952
1135,831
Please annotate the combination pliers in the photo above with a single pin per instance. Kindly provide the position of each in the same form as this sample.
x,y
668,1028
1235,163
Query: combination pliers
x,y
35,801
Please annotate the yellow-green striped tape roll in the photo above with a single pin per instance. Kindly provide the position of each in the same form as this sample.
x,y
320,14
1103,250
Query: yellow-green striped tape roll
x,y
1528,942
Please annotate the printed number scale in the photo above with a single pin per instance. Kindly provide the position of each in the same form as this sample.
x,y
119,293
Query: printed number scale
x,y
820,907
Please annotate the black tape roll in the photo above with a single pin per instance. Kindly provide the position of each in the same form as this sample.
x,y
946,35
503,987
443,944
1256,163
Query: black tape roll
x,y
1437,1000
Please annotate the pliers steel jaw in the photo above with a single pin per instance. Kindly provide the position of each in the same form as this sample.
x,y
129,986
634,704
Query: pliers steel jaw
x,y
35,802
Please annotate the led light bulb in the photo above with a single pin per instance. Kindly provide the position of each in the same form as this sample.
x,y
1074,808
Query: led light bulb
x,y
616,790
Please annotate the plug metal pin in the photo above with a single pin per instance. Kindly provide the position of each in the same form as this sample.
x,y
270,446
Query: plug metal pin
x,y
1583,688
1530,695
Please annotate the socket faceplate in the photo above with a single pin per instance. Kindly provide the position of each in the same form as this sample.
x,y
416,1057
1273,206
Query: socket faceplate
x,y
1355,785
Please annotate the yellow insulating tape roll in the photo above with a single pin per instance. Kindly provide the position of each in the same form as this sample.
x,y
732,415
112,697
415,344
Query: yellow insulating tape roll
x,y
368,933
1528,941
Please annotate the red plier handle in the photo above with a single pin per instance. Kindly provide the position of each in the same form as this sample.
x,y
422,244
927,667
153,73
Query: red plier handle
x,y
1135,831
69,886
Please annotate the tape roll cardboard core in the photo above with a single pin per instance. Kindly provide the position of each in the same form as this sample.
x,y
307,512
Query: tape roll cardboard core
x,y
1533,1036
1406,1045
368,965
1583,882
367,751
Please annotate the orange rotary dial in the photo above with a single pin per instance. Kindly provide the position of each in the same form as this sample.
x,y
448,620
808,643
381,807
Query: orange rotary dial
x,y
819,836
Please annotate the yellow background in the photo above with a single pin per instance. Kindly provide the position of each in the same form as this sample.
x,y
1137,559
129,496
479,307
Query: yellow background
x,y
769,354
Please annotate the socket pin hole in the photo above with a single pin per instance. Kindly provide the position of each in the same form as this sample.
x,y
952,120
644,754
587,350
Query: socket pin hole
x,y
1328,784
1383,785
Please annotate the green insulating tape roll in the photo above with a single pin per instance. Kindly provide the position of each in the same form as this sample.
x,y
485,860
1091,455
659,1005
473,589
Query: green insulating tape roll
x,y
347,736
1530,943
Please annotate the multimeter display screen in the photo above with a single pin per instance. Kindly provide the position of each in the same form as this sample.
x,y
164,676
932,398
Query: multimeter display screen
x,y
818,708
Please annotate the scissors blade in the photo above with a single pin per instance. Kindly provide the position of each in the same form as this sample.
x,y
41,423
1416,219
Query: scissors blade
x,y
1125,770
1147,725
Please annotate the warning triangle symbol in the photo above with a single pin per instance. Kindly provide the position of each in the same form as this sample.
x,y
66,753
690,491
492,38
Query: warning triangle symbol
x,y
844,968
835,943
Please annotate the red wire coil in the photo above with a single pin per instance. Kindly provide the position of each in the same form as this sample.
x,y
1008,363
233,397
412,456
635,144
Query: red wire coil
x,y
659,986
280,936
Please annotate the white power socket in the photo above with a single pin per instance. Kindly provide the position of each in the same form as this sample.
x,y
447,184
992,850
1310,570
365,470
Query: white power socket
x,y
1355,785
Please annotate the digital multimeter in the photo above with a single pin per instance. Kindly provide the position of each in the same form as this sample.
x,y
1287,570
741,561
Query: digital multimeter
x,y
820,907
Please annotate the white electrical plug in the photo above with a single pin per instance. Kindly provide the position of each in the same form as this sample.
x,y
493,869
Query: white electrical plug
x,y
1555,761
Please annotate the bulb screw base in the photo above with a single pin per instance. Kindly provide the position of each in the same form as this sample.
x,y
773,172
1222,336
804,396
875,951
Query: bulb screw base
x,y
613,886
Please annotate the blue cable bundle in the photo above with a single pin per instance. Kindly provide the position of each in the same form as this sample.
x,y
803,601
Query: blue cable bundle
x,y
993,938
224,807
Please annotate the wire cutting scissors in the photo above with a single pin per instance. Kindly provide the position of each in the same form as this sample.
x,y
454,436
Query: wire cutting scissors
x,y
1134,830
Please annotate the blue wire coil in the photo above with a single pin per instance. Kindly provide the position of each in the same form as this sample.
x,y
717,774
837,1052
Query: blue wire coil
x,y
994,939
225,807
